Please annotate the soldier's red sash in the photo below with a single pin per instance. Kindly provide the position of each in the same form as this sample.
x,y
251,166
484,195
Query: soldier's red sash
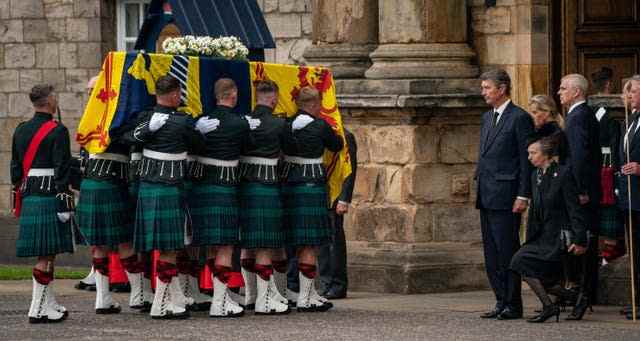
x,y
44,130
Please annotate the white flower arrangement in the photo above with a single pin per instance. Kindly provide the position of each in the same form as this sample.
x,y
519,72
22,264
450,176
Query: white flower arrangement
x,y
223,47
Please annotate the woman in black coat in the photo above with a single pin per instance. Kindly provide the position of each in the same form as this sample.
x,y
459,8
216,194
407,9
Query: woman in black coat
x,y
554,205
548,121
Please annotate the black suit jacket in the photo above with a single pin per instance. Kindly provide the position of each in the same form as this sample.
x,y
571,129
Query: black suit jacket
x,y
634,156
503,170
347,187
585,157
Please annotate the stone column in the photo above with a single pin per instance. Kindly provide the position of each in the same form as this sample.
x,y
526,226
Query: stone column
x,y
422,39
345,32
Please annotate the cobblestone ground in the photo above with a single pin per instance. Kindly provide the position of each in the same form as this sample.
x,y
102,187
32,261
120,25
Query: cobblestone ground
x,y
363,316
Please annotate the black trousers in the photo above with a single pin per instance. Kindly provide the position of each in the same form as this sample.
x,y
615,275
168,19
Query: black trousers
x,y
501,240
583,270
332,259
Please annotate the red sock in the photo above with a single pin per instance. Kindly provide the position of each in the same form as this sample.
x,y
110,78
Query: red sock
x,y
264,271
308,270
166,271
248,264
101,265
132,264
222,273
279,265
42,277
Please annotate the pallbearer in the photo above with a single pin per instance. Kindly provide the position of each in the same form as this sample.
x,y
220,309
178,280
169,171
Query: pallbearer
x,y
260,201
40,159
214,208
166,135
305,191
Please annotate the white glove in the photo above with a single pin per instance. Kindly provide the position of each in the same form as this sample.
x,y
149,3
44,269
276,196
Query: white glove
x,y
253,122
301,121
64,216
157,121
206,125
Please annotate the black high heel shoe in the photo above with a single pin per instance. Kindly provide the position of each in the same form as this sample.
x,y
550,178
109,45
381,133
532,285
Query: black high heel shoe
x,y
547,312
579,309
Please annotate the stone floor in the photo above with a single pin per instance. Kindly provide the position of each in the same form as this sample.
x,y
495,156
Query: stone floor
x,y
363,316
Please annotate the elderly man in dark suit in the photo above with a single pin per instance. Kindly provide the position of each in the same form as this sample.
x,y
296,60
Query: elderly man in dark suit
x,y
631,143
504,189
332,260
585,160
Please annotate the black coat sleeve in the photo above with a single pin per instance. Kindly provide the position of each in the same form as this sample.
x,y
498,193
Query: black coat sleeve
x,y
16,163
524,130
347,187
61,159
141,132
331,140
575,211
578,136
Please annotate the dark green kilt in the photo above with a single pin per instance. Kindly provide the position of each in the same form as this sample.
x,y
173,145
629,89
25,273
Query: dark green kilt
x,y
41,233
160,218
133,189
611,222
104,214
305,213
261,216
214,214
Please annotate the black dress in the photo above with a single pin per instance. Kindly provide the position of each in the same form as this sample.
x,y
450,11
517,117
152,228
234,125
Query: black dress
x,y
554,205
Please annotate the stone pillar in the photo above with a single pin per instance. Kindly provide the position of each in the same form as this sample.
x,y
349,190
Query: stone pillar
x,y
422,39
345,32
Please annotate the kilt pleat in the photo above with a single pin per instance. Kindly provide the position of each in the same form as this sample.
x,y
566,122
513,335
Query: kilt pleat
x,y
611,222
104,213
306,215
261,216
41,233
214,214
160,218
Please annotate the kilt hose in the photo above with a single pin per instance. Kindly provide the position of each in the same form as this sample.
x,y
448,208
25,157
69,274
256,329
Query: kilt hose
x,y
104,214
160,218
41,233
214,214
305,214
261,216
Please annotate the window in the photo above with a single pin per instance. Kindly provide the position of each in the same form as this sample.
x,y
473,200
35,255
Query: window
x,y
130,15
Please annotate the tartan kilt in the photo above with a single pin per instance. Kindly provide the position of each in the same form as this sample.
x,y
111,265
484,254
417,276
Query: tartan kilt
x,y
305,214
611,222
134,187
214,214
160,218
41,233
261,216
104,214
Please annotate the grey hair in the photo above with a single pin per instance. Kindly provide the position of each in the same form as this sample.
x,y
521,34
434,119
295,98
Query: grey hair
x,y
578,81
39,94
499,77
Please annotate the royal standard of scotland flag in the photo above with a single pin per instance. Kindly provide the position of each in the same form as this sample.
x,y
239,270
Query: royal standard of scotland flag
x,y
126,86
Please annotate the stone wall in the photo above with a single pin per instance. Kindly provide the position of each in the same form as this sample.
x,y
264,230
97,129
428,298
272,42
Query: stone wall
x,y
61,42
514,35
290,24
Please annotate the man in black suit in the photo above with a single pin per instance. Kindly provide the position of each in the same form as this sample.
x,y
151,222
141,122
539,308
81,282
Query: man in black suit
x,y
503,175
332,260
631,142
585,160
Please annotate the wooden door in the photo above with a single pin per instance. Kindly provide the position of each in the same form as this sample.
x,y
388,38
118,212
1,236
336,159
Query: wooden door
x,y
589,34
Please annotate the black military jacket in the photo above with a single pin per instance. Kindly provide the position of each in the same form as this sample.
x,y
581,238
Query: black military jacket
x,y
265,142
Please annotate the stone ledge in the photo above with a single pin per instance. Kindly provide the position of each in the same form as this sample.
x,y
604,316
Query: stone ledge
x,y
457,101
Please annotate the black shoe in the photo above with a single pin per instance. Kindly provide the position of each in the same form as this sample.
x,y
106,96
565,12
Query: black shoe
x,y
84,286
547,312
172,316
108,311
44,319
332,295
491,314
579,309
510,314
120,287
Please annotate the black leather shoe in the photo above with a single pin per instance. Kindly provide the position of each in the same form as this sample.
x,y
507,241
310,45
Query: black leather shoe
x,y
510,314
332,295
547,312
84,286
491,314
579,309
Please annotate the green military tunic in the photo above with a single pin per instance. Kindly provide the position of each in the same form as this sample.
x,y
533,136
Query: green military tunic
x,y
214,197
41,233
304,177
260,199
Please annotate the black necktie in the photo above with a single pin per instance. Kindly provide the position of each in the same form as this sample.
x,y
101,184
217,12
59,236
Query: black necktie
x,y
495,118
632,128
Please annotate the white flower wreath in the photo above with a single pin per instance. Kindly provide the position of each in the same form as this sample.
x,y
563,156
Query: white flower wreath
x,y
223,47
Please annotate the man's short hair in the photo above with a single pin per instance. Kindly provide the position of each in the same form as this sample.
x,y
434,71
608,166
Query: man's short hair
x,y
224,87
39,94
166,84
307,95
499,77
600,78
266,87
578,81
